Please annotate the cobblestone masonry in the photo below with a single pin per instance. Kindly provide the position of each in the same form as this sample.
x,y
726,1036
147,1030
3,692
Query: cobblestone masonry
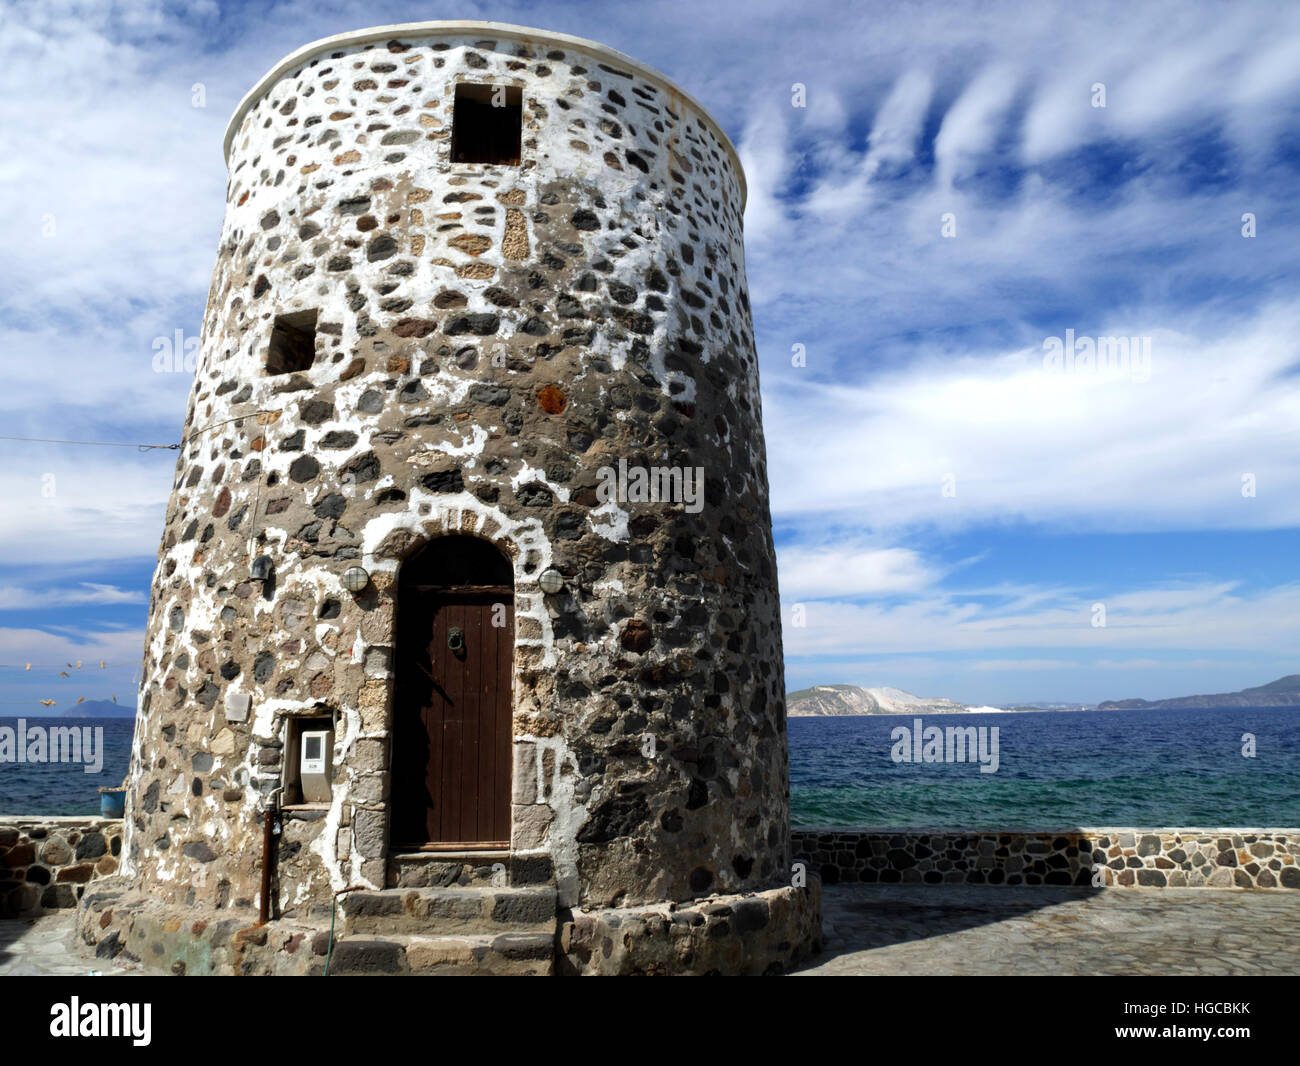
x,y
1126,858
487,339
46,861
761,933
754,935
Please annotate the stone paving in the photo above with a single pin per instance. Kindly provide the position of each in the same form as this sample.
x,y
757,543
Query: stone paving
x,y
49,947
901,930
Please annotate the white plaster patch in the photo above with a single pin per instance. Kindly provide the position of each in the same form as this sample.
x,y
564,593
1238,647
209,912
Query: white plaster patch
x,y
472,447
609,521
529,475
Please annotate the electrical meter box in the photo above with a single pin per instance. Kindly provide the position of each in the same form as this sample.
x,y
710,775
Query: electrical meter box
x,y
315,764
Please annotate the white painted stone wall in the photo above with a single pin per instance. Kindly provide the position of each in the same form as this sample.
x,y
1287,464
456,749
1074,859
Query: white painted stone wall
x,y
608,266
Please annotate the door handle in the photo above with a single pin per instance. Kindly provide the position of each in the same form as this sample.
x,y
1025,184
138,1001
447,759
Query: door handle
x,y
456,638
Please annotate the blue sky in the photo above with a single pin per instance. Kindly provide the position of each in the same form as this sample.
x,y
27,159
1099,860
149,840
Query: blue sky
x,y
948,510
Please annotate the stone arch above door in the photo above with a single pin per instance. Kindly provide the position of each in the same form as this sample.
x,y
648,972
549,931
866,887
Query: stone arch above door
x,y
390,539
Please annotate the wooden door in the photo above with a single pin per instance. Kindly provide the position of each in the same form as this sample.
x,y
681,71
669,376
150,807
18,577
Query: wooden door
x,y
452,716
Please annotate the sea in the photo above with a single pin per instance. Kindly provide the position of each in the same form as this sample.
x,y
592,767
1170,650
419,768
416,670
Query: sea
x,y
64,787
1056,770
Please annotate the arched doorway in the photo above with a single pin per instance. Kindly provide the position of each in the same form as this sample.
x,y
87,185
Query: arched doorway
x,y
452,702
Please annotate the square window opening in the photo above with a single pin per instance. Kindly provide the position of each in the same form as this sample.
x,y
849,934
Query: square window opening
x,y
308,760
293,343
487,124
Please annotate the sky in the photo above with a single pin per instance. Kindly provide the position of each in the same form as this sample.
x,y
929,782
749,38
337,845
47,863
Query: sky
x,y
953,209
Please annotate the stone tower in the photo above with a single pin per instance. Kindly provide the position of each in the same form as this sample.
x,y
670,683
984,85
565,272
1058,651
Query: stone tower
x,y
467,571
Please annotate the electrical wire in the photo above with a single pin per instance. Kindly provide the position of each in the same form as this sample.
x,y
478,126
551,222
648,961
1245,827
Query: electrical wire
x,y
97,443
65,666
138,447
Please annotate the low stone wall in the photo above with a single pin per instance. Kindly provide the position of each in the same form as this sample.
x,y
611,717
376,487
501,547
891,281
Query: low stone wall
x,y
757,933
754,934
46,861
1112,858
118,919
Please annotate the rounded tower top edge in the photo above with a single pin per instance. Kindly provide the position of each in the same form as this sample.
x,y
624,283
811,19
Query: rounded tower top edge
x,y
495,30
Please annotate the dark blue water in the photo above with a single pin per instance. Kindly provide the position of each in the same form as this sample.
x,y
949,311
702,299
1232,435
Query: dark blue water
x,y
65,788
1057,769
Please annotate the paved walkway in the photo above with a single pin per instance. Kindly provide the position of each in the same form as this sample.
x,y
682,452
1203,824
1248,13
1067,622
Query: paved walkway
x,y
50,946
900,930
971,929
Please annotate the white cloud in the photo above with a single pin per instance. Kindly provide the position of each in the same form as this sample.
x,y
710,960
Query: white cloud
x,y
924,353
897,128
893,143
833,572
13,597
67,505
1192,619
1061,449
970,128
765,155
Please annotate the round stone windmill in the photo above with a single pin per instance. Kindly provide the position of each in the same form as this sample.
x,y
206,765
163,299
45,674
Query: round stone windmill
x,y
465,621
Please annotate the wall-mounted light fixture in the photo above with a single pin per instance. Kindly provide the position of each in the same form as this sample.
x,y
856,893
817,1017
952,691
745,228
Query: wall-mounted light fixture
x,y
262,568
355,579
551,581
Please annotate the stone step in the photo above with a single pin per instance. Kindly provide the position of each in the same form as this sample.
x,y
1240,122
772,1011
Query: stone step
x,y
456,910
440,869
483,954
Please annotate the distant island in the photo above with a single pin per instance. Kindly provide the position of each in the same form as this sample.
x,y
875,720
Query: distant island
x,y
1284,692
832,701
85,709
836,700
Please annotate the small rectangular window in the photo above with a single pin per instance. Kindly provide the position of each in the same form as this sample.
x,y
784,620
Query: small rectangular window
x,y
305,780
293,343
486,124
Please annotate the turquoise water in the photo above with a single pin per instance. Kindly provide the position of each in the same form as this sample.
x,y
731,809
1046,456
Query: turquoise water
x,y
1057,769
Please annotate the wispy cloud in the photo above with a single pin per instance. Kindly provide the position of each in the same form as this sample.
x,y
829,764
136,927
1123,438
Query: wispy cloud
x,y
14,598
923,425
1207,617
1010,438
